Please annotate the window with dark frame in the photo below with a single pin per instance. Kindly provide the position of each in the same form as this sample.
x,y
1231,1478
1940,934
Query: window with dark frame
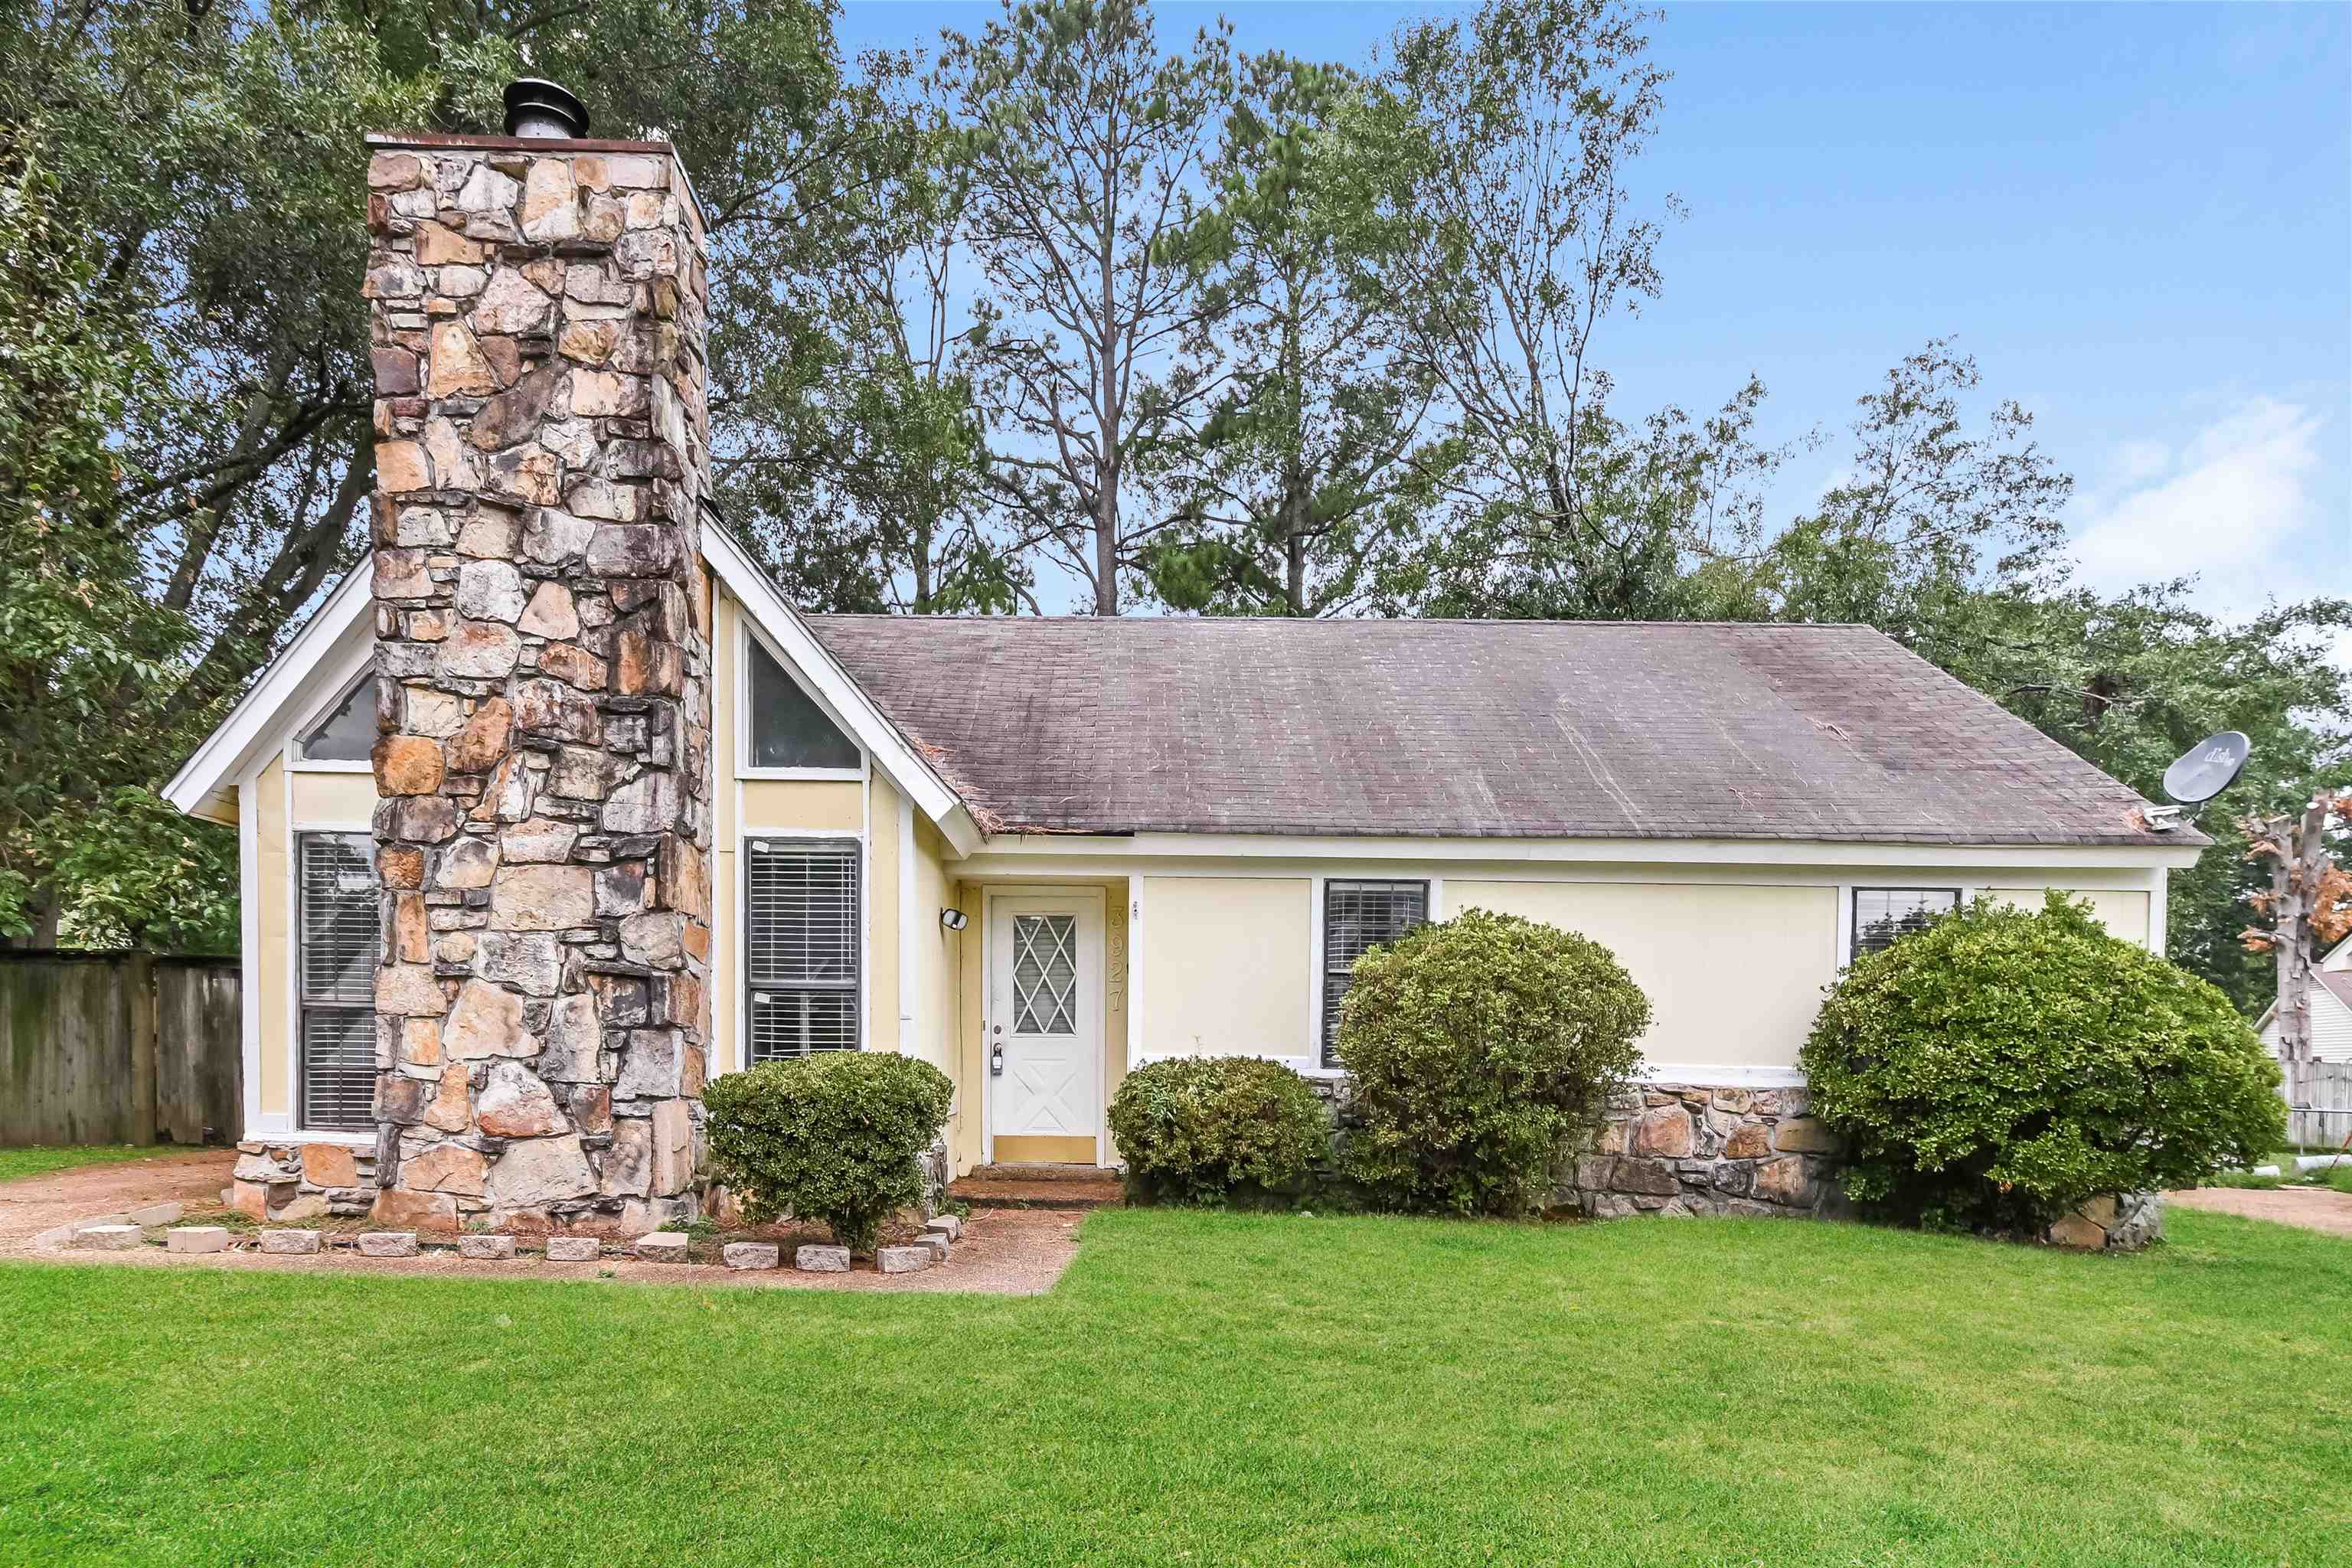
x,y
346,732
341,941
788,729
1882,914
802,947
1358,916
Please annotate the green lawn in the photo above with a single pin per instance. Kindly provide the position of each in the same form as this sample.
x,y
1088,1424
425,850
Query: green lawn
x,y
1208,1389
39,1160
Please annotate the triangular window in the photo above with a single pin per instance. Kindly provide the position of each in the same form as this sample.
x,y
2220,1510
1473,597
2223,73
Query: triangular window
x,y
346,732
788,729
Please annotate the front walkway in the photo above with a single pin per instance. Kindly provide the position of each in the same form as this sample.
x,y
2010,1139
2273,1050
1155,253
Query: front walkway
x,y
1004,1252
2314,1208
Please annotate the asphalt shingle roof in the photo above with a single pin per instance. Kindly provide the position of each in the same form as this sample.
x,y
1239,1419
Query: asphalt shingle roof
x,y
1471,729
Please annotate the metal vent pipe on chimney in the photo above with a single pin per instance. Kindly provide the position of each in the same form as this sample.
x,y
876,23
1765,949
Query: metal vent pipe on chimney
x,y
542,111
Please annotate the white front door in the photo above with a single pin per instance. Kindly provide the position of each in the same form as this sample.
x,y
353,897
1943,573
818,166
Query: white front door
x,y
1044,1029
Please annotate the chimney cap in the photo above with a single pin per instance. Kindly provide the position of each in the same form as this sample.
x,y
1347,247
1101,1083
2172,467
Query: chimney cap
x,y
537,108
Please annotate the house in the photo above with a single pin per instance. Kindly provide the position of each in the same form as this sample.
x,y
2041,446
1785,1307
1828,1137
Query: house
x,y
2331,1009
560,808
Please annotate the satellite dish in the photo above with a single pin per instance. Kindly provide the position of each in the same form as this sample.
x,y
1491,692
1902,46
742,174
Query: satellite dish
x,y
2206,768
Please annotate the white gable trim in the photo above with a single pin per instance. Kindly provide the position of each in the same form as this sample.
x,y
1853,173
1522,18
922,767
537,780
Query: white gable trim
x,y
888,748
232,751
292,688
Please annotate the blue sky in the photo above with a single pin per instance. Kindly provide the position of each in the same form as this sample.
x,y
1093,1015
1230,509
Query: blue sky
x,y
2138,217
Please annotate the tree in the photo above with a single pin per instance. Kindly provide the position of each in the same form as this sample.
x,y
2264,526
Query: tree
x,y
1930,507
88,661
1495,152
1085,146
2306,908
208,161
891,481
1303,490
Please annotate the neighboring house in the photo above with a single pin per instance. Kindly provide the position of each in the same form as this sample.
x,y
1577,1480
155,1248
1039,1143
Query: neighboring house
x,y
2331,1009
643,822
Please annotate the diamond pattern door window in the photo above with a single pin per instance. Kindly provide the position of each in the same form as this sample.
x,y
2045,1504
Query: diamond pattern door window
x,y
1044,974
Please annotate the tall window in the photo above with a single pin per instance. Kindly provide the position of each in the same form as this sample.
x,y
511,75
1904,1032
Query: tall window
x,y
802,948
788,729
341,938
1358,916
1882,914
346,732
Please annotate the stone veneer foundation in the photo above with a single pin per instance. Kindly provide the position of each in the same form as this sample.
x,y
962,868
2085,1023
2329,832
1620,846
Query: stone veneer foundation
x,y
1693,1149
543,653
1683,1150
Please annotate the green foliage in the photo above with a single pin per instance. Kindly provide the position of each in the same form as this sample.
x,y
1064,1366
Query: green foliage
x,y
833,1136
1305,487
89,665
1208,1130
1479,1047
2002,1066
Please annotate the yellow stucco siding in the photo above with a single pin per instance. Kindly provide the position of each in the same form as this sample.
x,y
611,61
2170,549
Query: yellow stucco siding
x,y
1226,965
931,956
970,1051
333,800
2122,910
1733,974
823,805
882,929
273,845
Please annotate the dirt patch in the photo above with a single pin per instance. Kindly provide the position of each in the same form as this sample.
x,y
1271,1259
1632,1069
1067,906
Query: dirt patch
x,y
2314,1208
1005,1252
34,1205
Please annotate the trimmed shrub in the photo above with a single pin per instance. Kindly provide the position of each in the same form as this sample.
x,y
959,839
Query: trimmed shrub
x,y
2002,1066
834,1136
1479,1047
1207,1129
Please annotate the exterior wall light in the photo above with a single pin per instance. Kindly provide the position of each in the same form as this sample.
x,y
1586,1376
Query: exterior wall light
x,y
954,920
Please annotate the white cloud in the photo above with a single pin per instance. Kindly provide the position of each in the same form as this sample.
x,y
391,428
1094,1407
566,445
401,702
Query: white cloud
x,y
2234,507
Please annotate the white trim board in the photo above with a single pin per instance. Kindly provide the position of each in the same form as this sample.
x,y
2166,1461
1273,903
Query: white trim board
x,y
1019,854
232,751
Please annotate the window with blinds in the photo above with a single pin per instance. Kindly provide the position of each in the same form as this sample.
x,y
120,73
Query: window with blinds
x,y
1882,914
340,938
801,951
1358,916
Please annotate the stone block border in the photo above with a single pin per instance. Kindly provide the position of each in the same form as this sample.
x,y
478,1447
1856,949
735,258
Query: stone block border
x,y
752,1254
196,1238
110,1237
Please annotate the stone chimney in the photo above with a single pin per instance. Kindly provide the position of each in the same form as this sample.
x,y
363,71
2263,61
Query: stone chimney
x,y
542,833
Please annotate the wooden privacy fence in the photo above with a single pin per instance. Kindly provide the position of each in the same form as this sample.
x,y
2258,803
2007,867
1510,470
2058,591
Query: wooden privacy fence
x,y
2319,1102
120,1047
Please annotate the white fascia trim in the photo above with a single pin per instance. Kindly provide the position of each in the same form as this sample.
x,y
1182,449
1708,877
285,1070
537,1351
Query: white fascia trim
x,y
227,751
1623,851
906,768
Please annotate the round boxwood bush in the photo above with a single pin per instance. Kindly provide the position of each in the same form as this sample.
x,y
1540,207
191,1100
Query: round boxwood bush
x,y
1209,1130
834,1136
1478,1048
2004,1065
